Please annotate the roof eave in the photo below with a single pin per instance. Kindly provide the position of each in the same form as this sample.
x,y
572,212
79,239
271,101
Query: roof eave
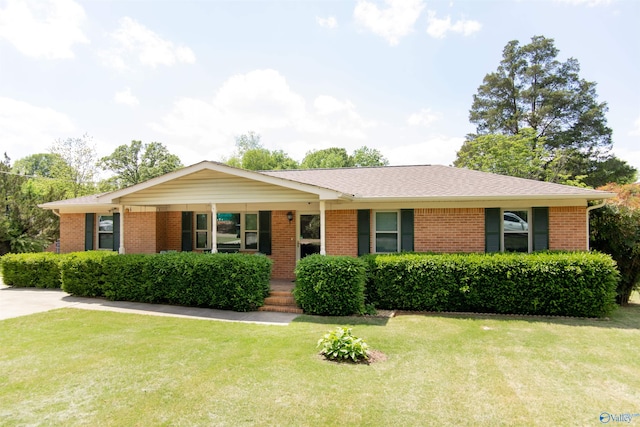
x,y
602,195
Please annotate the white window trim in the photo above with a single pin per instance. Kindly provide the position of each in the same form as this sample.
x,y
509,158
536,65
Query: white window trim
x,y
98,232
243,231
375,230
197,230
529,227
212,232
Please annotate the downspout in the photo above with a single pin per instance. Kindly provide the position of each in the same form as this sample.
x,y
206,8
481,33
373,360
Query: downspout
x,y
589,209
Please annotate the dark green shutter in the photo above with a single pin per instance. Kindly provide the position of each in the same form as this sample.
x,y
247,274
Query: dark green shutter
x,y
540,229
264,232
89,228
364,231
187,231
492,229
406,230
116,232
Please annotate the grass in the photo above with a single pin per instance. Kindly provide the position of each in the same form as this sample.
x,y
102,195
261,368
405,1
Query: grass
x,y
74,367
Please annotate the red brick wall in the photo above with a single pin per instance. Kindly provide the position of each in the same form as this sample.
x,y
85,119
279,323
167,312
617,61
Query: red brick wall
x,y
140,232
173,231
568,228
449,230
342,232
72,232
283,245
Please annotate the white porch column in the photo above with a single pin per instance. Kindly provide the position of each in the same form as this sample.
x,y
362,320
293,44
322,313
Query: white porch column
x,y
214,227
121,244
323,247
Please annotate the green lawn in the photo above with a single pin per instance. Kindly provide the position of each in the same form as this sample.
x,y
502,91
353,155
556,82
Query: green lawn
x,y
74,367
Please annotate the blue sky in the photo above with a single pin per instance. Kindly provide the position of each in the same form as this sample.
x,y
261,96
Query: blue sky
x,y
394,75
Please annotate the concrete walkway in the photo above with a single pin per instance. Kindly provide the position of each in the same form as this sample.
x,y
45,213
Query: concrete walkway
x,y
15,302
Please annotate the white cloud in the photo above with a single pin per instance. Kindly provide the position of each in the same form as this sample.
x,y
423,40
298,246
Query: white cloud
x,y
329,22
26,129
133,42
43,28
126,97
435,150
261,101
636,128
438,28
590,3
392,23
424,117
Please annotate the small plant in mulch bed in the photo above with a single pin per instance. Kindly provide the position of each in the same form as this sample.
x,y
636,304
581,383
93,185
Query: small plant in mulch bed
x,y
340,345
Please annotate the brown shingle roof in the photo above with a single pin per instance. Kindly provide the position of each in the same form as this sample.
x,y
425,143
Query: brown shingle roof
x,y
399,182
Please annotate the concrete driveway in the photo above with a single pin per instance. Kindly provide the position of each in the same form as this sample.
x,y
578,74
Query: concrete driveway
x,y
15,302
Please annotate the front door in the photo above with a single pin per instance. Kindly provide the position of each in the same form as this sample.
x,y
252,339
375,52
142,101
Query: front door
x,y
309,234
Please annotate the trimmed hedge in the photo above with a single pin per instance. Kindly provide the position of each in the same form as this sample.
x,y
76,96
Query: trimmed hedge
x,y
39,270
547,283
83,273
330,285
226,281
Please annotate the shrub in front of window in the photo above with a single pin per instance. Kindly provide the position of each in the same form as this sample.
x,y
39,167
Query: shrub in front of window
x,y
330,285
38,270
83,273
237,282
570,284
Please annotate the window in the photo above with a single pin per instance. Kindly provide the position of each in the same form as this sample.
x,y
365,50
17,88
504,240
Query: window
x,y
515,231
105,232
233,231
228,232
387,236
202,231
251,231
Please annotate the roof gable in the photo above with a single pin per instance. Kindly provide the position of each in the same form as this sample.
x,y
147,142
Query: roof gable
x,y
211,181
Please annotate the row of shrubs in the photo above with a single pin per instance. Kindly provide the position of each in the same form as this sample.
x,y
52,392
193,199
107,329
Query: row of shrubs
x,y
571,284
547,283
225,281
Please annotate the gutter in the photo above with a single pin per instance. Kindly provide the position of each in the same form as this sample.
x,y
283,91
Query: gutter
x,y
589,209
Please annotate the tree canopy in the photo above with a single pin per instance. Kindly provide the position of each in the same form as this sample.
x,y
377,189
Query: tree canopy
x,y
615,229
138,162
251,154
533,89
336,157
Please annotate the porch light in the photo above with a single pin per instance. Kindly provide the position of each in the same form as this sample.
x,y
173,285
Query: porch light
x,y
290,216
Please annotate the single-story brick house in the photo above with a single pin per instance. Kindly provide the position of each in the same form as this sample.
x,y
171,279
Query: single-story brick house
x,y
290,214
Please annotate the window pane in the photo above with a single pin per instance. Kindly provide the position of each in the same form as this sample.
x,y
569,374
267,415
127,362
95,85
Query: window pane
x,y
386,221
201,221
251,240
310,226
386,242
251,221
202,239
228,231
516,231
105,241
105,223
